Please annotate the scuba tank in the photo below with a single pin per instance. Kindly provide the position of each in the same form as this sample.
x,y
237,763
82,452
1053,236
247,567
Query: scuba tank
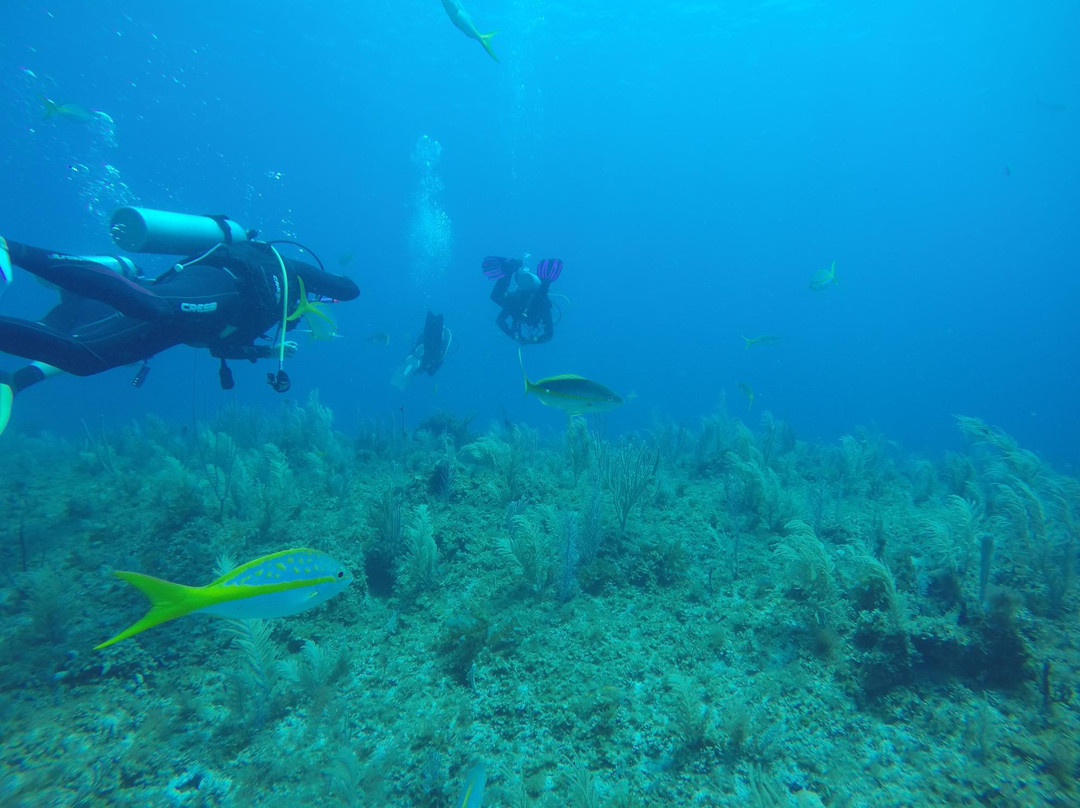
x,y
159,231
117,263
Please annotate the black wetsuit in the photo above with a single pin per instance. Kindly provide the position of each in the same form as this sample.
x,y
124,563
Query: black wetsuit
x,y
224,302
524,316
434,342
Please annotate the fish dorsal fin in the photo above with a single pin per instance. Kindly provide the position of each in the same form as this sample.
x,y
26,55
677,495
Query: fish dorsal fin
x,y
258,562
563,377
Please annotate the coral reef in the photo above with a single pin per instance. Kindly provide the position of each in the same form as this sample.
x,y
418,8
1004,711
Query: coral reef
x,y
713,617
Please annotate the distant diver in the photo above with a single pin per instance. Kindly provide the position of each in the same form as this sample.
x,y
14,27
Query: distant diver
x,y
524,313
428,353
461,19
226,297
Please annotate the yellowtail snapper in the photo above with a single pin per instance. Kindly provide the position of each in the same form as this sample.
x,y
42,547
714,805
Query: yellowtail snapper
x,y
824,278
764,339
276,585
575,395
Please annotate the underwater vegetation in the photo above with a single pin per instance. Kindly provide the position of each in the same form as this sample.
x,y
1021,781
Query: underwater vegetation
x,y
718,615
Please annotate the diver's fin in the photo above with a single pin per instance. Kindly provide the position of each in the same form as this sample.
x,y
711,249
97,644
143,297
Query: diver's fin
x,y
483,40
549,269
7,398
493,267
168,601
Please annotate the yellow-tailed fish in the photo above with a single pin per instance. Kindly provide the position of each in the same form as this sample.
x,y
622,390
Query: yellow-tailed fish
x,y
747,391
463,22
764,339
70,112
472,793
824,278
320,323
576,395
276,585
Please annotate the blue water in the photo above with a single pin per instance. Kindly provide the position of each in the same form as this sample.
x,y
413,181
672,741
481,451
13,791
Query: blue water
x,y
692,163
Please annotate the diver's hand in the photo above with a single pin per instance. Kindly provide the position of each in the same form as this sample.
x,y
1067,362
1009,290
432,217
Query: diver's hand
x,y
290,348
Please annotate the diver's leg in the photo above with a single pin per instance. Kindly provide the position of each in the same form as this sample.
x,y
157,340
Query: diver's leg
x,y
11,384
40,343
91,278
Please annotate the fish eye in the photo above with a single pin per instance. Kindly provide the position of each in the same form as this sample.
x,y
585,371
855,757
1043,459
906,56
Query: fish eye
x,y
340,574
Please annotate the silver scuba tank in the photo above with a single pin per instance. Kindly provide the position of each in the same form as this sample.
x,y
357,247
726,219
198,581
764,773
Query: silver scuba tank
x,y
160,231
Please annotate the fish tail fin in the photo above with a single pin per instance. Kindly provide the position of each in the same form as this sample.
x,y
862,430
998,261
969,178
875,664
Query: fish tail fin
x,y
835,280
528,384
167,602
483,40
51,108
748,342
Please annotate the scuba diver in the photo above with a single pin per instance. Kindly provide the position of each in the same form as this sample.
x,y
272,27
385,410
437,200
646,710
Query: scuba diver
x,y
225,298
427,354
525,313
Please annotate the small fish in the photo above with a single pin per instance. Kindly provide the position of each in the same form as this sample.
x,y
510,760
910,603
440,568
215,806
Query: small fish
x,y
461,19
321,324
276,585
747,391
575,395
472,793
764,339
824,278
345,259
70,112
379,338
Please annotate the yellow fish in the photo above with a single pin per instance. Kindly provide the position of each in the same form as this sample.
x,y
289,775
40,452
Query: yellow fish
x,y
71,112
764,339
472,793
747,391
320,323
824,278
576,395
276,585
463,22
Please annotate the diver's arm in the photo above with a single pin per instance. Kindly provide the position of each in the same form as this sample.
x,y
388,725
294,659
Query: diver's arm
x,y
318,282
505,322
548,326
251,352
543,330
498,293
